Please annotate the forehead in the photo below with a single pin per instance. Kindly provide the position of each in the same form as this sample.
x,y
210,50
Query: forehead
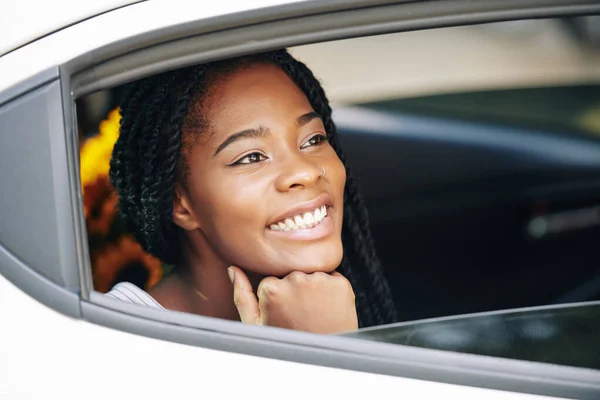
x,y
253,89
240,97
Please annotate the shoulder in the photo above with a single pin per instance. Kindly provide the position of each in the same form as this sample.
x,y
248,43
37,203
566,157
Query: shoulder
x,y
128,292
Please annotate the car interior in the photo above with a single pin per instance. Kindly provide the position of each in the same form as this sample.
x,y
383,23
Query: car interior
x,y
452,201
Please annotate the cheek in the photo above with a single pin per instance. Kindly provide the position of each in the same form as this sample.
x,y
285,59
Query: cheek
x,y
337,172
231,213
236,227
233,210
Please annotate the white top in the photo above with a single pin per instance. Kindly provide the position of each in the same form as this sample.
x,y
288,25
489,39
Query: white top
x,y
130,293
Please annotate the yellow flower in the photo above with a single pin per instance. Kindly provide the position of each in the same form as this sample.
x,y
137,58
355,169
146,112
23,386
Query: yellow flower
x,y
96,151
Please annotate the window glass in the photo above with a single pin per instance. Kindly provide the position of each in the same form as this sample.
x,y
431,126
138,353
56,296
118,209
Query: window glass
x,y
561,335
450,215
566,108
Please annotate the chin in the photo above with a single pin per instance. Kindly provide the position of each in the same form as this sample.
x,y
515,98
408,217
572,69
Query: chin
x,y
280,259
318,263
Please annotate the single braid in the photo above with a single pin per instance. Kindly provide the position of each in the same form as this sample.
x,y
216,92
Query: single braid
x,y
345,268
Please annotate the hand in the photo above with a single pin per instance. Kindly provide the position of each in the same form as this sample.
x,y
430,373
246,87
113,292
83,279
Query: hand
x,y
317,302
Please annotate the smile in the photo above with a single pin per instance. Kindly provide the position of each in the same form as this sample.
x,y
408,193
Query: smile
x,y
305,220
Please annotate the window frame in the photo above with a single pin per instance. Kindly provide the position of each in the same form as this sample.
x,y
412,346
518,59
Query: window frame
x,y
264,29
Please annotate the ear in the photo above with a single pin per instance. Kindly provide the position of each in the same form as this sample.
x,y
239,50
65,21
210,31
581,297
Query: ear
x,y
182,211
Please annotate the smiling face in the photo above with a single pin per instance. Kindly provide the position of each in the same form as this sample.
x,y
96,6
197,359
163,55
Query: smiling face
x,y
264,190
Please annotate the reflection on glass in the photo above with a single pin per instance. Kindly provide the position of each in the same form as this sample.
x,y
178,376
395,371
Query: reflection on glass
x,y
565,335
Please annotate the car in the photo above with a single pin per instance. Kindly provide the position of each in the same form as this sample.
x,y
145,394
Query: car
x,y
484,213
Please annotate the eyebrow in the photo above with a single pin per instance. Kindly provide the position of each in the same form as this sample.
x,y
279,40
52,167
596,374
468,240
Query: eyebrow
x,y
262,131
306,118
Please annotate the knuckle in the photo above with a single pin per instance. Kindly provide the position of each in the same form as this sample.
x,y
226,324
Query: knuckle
x,y
351,294
297,276
344,283
269,287
320,276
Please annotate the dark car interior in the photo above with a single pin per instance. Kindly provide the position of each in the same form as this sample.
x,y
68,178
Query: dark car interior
x,y
471,215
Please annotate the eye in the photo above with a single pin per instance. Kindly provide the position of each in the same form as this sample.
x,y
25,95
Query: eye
x,y
250,159
315,141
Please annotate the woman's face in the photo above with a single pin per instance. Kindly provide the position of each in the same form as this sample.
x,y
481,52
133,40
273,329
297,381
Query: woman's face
x,y
256,192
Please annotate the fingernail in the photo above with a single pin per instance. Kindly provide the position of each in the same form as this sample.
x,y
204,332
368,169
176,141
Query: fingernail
x,y
230,273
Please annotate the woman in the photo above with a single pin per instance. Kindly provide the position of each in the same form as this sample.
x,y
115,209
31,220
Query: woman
x,y
233,172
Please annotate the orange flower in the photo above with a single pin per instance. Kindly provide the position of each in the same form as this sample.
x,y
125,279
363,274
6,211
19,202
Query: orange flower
x,y
124,260
100,205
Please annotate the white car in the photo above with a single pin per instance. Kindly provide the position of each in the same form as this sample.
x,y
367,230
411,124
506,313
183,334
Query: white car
x,y
60,338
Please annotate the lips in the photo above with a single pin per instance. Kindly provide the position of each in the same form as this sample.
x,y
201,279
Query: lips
x,y
301,221
303,216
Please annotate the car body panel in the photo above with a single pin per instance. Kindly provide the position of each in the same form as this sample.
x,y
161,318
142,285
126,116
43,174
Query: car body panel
x,y
46,352
19,25
109,27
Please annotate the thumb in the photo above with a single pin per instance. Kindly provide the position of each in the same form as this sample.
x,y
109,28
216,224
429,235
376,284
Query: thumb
x,y
243,296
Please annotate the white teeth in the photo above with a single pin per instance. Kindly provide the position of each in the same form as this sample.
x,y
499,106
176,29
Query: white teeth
x,y
298,220
317,215
301,221
308,218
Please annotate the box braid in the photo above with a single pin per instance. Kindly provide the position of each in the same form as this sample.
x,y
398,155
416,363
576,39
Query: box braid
x,y
147,161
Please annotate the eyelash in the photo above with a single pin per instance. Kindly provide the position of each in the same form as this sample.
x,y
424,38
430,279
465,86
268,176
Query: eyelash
x,y
247,156
322,139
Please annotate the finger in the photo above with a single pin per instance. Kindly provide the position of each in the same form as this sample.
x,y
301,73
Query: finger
x,y
340,278
243,297
268,294
267,289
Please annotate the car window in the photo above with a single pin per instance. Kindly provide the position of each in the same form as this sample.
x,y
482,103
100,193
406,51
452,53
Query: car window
x,y
478,136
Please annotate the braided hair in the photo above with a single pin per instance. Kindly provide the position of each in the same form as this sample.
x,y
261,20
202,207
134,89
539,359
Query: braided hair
x,y
147,161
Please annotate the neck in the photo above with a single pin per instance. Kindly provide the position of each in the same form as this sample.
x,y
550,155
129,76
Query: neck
x,y
200,286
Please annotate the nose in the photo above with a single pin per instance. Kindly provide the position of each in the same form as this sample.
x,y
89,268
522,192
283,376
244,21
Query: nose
x,y
297,173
